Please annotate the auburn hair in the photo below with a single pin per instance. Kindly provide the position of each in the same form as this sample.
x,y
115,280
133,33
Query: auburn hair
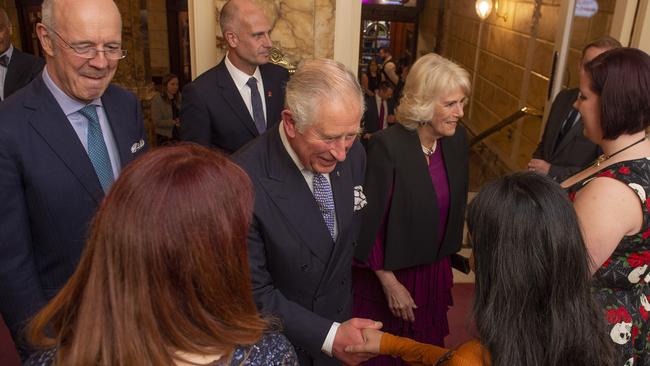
x,y
165,269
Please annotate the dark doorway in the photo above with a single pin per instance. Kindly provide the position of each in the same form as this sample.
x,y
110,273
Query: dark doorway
x,y
179,40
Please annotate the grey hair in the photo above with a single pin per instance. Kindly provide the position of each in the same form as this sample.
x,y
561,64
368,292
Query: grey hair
x,y
47,13
227,17
432,77
316,81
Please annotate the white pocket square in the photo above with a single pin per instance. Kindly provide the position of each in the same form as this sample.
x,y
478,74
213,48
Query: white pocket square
x,y
359,198
137,146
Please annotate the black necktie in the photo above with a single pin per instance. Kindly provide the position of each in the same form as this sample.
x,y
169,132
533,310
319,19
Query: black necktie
x,y
4,60
256,102
566,126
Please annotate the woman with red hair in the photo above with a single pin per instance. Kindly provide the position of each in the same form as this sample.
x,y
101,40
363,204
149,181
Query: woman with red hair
x,y
164,279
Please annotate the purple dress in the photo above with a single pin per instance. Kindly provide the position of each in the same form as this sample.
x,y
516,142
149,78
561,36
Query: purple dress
x,y
429,285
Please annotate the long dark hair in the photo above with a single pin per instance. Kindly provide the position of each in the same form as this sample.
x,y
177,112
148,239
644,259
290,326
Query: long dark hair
x,y
533,304
165,268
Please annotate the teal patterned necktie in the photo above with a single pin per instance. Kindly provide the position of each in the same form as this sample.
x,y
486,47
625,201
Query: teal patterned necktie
x,y
97,151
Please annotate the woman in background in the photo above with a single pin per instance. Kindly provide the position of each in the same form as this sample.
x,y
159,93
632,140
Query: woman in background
x,y
611,197
164,279
371,78
165,109
533,302
416,188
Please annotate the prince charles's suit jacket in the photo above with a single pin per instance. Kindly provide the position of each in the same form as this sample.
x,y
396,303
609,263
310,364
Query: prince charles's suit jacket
x,y
49,191
213,112
575,151
299,274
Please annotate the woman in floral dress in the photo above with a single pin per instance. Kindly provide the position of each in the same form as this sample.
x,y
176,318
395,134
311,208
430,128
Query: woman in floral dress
x,y
612,197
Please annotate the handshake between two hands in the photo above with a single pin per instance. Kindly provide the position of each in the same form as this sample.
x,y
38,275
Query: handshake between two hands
x,y
357,340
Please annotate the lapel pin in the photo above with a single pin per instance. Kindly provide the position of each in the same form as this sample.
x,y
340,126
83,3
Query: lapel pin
x,y
269,94
338,174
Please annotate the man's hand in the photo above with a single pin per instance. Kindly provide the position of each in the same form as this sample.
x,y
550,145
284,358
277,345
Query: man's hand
x,y
348,334
371,342
539,166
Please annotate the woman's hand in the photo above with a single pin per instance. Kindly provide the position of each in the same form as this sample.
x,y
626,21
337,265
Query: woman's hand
x,y
399,299
371,342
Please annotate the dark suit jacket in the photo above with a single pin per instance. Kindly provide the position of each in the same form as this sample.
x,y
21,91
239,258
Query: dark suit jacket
x,y
371,115
395,160
299,274
575,151
22,69
213,112
49,192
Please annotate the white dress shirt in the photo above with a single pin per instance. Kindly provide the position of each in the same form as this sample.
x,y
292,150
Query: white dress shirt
x,y
241,78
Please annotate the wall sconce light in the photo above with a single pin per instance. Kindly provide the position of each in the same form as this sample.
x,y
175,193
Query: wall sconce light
x,y
503,16
483,8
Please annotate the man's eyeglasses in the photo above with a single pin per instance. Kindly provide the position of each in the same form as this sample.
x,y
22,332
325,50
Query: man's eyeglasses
x,y
89,52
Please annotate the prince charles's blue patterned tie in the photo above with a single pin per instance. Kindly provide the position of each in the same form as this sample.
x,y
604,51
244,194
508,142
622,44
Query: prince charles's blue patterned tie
x,y
325,200
97,151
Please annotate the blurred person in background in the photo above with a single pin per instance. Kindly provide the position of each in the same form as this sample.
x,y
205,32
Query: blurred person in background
x,y
165,108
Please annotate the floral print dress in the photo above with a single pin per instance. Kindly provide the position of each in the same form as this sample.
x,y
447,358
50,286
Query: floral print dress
x,y
623,281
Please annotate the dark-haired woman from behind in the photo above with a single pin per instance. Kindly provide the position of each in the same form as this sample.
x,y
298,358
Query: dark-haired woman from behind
x,y
533,302
164,279
612,196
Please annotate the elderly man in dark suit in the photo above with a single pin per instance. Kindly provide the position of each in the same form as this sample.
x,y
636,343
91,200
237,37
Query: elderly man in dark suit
x,y
564,150
243,95
63,140
308,175
17,69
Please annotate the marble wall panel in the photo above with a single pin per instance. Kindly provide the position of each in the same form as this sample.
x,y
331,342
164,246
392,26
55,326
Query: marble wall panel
x,y
303,28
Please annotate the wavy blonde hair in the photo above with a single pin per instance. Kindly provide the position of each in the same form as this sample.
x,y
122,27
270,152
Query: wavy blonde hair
x,y
432,77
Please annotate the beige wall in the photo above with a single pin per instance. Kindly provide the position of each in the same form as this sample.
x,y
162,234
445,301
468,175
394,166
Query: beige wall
x,y
502,59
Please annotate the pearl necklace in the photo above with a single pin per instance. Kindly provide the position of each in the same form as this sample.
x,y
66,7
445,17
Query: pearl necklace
x,y
428,151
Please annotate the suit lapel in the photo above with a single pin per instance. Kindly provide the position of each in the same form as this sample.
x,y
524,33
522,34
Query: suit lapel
x,y
53,126
287,188
269,96
122,138
574,131
14,73
233,98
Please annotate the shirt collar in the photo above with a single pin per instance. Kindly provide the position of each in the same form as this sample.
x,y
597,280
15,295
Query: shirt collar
x,y
9,52
68,104
290,150
239,77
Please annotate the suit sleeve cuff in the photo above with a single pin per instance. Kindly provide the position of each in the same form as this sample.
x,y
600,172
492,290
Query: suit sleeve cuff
x,y
329,340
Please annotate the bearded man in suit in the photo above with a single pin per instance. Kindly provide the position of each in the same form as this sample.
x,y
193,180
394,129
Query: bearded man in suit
x,y
63,140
